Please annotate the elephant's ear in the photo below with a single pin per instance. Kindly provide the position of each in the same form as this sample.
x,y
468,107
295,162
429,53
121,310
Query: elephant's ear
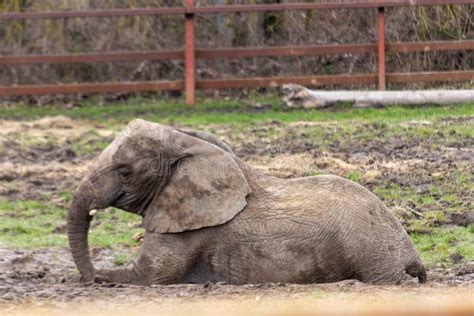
x,y
206,188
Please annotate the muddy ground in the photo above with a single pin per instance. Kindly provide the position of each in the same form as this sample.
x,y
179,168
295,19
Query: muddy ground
x,y
46,280
41,158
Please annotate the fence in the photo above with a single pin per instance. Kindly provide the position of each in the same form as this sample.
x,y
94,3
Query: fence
x,y
190,53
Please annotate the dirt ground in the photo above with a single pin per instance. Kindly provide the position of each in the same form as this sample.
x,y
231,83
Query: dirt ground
x,y
46,280
41,158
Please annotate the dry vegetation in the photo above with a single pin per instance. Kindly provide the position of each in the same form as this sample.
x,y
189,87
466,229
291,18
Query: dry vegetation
x,y
148,33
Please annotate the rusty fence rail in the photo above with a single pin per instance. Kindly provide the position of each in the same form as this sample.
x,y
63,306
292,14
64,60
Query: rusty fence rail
x,y
190,53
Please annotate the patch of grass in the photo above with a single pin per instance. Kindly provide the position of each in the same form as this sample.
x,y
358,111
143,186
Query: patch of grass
x,y
314,173
90,142
434,218
34,224
233,112
392,192
323,136
449,198
29,224
66,197
354,176
121,259
442,243
27,141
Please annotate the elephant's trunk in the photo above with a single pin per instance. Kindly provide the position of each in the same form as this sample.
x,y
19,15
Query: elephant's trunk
x,y
77,229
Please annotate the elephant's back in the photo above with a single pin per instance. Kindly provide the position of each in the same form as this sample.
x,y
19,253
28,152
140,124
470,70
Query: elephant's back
x,y
333,187
349,206
314,196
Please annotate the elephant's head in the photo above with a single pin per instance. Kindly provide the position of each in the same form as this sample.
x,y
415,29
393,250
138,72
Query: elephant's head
x,y
176,180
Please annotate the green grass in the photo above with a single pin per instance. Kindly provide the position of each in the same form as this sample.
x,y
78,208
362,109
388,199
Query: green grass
x,y
23,141
122,259
89,143
233,112
393,191
441,244
354,176
442,192
33,224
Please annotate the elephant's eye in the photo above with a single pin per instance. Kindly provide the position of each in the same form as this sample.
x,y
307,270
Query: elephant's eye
x,y
124,172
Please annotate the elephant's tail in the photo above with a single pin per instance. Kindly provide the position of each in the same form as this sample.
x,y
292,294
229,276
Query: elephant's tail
x,y
417,270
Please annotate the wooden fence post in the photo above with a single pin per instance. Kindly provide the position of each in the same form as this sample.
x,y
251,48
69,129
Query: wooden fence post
x,y
189,56
381,47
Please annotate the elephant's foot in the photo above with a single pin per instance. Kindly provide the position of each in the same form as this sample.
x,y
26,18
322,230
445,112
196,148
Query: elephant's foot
x,y
121,276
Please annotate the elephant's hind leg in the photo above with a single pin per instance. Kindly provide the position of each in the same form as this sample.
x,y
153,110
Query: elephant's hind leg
x,y
382,272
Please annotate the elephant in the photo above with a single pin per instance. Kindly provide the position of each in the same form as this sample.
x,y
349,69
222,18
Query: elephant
x,y
211,217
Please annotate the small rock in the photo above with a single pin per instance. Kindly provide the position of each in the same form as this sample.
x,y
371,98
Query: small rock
x,y
60,228
457,258
96,251
464,270
8,176
463,219
41,274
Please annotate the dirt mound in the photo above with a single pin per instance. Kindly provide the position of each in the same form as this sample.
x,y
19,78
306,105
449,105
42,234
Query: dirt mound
x,y
54,122
33,181
46,123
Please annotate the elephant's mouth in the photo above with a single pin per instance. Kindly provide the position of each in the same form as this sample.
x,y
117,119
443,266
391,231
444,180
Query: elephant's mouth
x,y
126,202
119,199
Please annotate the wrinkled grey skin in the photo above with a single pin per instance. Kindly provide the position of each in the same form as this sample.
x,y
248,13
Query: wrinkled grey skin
x,y
210,217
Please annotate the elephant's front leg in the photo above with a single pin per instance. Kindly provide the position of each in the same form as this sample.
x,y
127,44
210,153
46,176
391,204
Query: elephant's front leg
x,y
163,259
122,276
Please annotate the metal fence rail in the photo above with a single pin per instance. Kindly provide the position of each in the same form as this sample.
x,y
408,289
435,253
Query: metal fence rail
x,y
190,53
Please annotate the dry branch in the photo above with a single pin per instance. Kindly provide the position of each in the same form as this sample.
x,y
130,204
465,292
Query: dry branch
x,y
299,96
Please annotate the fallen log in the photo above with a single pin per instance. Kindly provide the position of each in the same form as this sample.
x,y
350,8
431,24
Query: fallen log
x,y
299,96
